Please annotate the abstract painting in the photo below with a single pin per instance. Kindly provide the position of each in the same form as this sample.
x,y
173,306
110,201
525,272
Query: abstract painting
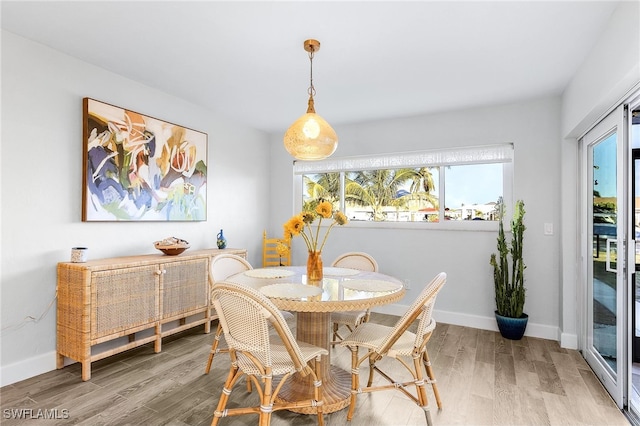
x,y
139,168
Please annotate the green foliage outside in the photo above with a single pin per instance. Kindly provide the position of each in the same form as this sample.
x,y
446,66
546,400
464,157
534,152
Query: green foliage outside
x,y
375,189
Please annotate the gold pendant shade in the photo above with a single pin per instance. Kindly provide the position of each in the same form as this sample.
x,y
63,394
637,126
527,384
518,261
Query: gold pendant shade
x,y
310,137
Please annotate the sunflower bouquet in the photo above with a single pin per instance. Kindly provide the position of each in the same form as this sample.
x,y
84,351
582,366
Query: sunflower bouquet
x,y
302,224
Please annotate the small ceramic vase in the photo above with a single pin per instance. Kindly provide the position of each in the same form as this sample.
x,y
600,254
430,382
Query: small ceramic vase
x,y
222,241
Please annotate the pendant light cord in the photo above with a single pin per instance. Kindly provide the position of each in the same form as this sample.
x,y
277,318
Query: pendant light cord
x,y
312,90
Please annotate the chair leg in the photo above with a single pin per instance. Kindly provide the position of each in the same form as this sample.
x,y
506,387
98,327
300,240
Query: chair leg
x,y
336,336
266,405
355,381
366,316
214,348
427,415
249,386
318,393
371,371
232,377
421,390
212,353
432,378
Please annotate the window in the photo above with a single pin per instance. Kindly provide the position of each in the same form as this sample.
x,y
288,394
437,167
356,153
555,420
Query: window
x,y
473,190
454,185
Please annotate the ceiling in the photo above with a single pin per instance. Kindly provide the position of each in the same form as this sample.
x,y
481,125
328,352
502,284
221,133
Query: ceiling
x,y
379,59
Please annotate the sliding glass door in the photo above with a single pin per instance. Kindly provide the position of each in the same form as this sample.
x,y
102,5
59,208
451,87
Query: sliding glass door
x,y
634,327
605,223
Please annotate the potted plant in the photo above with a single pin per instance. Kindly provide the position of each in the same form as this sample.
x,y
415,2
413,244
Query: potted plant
x,y
508,275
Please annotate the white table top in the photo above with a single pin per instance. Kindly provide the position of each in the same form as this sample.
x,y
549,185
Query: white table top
x,y
341,289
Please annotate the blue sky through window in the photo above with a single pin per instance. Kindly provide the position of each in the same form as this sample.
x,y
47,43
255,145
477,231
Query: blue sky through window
x,y
472,184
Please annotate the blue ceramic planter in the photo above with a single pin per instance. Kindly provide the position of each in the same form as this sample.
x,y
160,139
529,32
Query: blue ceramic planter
x,y
512,328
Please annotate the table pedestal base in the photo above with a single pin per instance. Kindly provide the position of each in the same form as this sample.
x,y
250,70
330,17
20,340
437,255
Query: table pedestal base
x,y
315,328
336,391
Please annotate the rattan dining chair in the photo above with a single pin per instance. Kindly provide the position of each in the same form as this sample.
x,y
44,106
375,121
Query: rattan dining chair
x,y
409,349
222,267
247,316
351,319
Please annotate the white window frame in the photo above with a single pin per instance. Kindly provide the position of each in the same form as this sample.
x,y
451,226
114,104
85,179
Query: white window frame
x,y
483,154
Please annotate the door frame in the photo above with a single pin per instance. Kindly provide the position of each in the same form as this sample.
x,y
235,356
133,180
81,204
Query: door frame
x,y
616,383
633,402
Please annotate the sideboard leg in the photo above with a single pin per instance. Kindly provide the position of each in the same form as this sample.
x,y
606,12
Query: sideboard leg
x,y
86,370
59,361
158,344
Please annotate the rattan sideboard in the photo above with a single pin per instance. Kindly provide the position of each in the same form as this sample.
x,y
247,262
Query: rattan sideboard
x,y
130,301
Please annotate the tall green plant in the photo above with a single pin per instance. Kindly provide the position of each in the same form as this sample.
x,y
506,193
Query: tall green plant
x,y
509,281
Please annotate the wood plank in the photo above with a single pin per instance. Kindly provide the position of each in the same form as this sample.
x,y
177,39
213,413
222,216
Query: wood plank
x,y
597,391
469,337
480,411
503,346
483,380
486,347
506,405
505,372
564,364
455,389
538,350
560,409
587,410
522,359
532,409
451,343
90,405
549,379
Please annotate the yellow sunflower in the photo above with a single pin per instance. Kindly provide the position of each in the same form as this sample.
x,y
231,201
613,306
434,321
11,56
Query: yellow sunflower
x,y
300,224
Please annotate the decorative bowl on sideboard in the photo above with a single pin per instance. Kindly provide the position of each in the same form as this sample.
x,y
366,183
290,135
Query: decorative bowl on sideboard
x,y
171,246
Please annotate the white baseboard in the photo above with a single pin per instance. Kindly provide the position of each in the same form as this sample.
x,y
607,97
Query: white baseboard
x,y
27,368
569,341
489,323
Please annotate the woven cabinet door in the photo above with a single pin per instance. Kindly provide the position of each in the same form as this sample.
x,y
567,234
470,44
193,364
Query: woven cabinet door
x,y
184,287
124,299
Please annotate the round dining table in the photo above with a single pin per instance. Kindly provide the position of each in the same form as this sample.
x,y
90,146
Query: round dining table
x,y
341,289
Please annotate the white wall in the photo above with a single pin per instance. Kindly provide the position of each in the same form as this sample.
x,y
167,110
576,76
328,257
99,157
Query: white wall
x,y
417,255
41,171
609,74
611,71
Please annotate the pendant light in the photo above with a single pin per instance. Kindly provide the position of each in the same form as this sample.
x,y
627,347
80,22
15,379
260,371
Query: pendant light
x,y
310,137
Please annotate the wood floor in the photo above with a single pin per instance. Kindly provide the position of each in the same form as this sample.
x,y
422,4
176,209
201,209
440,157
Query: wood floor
x,y
483,380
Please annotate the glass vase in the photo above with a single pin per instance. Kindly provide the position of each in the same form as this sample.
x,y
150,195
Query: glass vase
x,y
314,266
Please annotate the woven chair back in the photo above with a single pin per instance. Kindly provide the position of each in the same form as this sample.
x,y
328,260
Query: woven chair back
x,y
245,316
421,308
225,265
356,260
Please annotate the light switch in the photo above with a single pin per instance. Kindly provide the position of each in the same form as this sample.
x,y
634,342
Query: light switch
x,y
548,229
